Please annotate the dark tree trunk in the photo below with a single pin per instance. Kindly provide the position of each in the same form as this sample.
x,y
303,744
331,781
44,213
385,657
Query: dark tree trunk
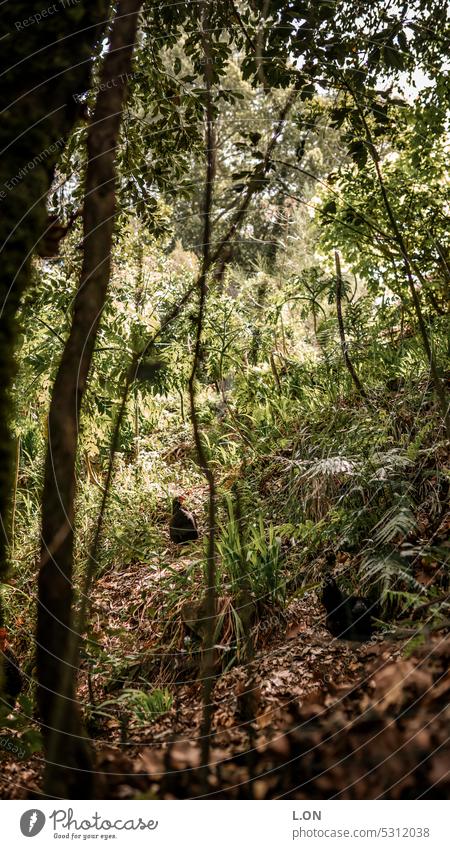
x,y
344,347
69,761
43,67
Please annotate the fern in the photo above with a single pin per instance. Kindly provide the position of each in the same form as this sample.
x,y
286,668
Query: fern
x,y
397,522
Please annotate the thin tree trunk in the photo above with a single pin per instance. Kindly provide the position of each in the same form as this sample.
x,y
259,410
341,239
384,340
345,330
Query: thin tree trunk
x,y
408,265
273,366
14,494
67,750
209,653
255,345
348,363
39,84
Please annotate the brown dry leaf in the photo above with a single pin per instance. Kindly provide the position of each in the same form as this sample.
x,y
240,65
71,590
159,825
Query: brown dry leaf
x,y
260,789
442,688
390,683
184,755
295,630
440,766
264,719
151,761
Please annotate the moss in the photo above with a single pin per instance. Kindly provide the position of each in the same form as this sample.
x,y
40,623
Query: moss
x,y
48,63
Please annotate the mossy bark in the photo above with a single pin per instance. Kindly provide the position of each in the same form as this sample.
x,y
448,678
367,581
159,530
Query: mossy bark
x,y
45,64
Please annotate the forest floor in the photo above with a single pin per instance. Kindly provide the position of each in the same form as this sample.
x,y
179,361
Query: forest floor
x,y
304,715
309,716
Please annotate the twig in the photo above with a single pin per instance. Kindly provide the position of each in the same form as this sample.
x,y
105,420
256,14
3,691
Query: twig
x,y
415,632
418,610
242,26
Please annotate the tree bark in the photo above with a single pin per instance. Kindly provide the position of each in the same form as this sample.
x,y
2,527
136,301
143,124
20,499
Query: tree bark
x,y
69,761
36,118
208,660
42,70
344,347
408,265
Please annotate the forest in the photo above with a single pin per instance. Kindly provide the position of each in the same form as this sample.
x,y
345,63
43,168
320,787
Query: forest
x,y
224,400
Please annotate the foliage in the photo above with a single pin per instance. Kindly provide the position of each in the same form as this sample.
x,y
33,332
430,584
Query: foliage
x,y
308,469
251,557
143,707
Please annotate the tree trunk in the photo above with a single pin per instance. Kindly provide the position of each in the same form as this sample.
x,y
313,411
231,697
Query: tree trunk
x,y
40,82
439,385
67,750
208,659
255,345
344,347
